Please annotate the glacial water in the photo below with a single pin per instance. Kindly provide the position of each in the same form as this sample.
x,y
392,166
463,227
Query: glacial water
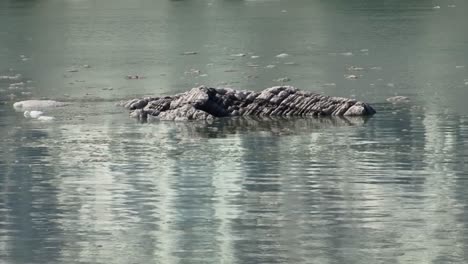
x,y
95,186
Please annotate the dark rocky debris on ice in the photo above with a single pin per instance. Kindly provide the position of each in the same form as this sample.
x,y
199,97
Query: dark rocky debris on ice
x,y
202,103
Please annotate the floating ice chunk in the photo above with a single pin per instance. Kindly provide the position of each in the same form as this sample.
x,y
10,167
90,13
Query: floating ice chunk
x,y
346,53
33,114
459,67
238,55
189,53
46,118
391,85
364,50
351,76
271,66
284,11
355,68
284,79
282,55
11,77
376,68
436,7
290,63
452,6
254,57
72,70
466,83
398,99
329,84
37,104
86,66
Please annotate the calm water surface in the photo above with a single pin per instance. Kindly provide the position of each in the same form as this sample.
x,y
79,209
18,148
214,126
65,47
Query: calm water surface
x,y
95,186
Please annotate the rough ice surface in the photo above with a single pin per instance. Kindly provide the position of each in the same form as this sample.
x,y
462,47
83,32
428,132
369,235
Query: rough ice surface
x,y
36,105
45,118
33,114
203,103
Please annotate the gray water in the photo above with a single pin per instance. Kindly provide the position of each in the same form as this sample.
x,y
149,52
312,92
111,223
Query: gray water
x,y
95,186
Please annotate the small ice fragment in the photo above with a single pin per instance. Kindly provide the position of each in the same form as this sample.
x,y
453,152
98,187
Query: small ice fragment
x,y
24,59
72,70
376,68
390,85
436,7
398,99
364,50
351,76
271,66
254,57
203,75
284,11
355,68
33,114
45,118
36,104
466,83
189,53
346,53
253,65
329,84
284,79
86,66
459,66
452,6
282,55
290,63
238,55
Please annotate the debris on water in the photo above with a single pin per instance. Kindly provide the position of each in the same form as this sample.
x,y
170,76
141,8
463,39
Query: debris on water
x,y
351,76
346,53
459,67
108,88
189,53
398,99
290,63
284,79
254,57
86,66
270,66
46,118
24,59
253,65
238,55
33,114
355,68
134,77
26,93
72,70
203,75
193,72
436,7
37,104
282,55
15,77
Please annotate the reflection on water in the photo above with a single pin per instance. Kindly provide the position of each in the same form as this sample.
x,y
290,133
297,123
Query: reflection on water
x,y
95,186
390,189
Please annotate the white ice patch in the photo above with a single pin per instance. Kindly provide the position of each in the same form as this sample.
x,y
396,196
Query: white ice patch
x,y
33,114
36,105
282,55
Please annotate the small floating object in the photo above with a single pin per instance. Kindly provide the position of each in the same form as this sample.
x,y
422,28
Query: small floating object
x,y
37,104
134,77
284,79
390,85
290,63
282,55
452,6
466,83
189,53
254,57
46,118
459,67
203,75
398,99
329,84
10,77
271,66
253,65
33,114
284,11
72,70
355,68
436,7
346,53
351,76
376,68
238,55
86,66
364,50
